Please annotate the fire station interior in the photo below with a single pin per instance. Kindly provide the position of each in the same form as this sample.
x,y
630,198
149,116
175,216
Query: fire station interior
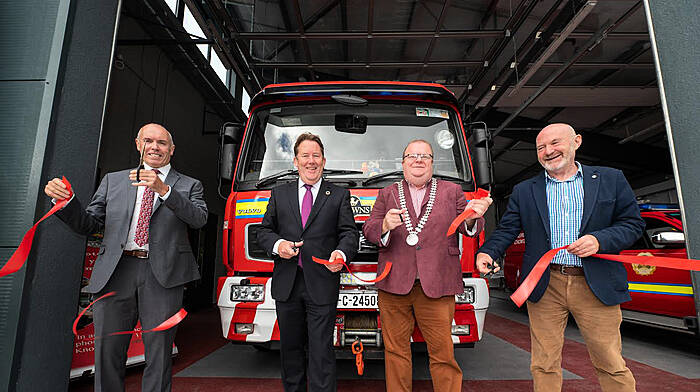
x,y
513,65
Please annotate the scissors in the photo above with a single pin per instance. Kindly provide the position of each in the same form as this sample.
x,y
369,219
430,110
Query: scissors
x,y
141,167
491,267
397,206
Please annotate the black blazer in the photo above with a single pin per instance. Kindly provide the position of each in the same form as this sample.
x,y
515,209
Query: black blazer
x,y
610,213
330,226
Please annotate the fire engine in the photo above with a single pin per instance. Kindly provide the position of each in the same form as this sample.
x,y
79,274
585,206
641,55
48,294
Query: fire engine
x,y
364,127
661,297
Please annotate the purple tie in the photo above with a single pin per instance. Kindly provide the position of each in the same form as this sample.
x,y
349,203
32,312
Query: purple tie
x,y
306,204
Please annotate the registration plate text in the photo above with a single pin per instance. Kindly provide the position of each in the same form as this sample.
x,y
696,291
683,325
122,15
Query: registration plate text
x,y
363,300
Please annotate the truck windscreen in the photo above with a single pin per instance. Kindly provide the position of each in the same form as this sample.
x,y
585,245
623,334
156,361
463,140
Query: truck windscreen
x,y
269,145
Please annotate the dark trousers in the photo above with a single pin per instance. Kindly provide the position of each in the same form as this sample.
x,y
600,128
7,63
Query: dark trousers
x,y
139,296
306,328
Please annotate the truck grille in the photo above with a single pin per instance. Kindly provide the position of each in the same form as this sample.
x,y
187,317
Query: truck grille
x,y
361,326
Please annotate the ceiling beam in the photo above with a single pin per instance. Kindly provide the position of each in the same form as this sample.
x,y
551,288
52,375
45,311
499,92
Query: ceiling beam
x,y
520,15
350,35
431,45
442,63
581,96
606,149
535,44
312,21
305,44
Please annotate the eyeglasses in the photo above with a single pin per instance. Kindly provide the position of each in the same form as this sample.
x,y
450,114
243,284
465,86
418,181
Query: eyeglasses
x,y
414,157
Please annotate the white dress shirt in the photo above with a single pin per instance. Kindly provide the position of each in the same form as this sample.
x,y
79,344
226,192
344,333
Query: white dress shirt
x,y
130,244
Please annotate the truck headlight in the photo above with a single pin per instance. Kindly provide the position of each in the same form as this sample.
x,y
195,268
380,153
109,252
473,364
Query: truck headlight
x,y
247,293
467,297
460,330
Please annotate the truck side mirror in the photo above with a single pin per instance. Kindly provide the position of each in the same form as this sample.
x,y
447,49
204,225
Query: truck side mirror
x,y
230,140
668,238
480,142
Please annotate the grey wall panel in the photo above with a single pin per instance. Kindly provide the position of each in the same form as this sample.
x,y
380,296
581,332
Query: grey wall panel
x,y
8,308
25,43
20,107
69,129
674,29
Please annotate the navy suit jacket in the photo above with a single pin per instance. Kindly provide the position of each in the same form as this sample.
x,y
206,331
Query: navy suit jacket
x,y
330,226
610,213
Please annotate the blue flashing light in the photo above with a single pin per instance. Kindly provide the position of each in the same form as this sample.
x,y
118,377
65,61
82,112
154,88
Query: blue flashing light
x,y
658,206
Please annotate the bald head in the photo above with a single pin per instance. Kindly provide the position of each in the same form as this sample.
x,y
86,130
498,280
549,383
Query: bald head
x,y
556,150
157,127
155,143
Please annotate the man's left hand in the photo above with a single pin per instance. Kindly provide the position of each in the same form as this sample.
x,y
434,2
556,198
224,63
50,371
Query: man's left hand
x,y
585,246
335,267
479,206
150,179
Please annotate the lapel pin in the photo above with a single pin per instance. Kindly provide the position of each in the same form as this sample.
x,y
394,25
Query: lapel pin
x,y
594,176
328,193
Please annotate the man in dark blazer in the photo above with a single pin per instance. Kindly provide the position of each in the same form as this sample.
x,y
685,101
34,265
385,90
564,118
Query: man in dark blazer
x,y
305,218
426,273
592,208
145,256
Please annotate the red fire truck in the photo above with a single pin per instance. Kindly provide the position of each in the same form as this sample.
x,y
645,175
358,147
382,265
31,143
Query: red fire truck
x,y
661,297
364,127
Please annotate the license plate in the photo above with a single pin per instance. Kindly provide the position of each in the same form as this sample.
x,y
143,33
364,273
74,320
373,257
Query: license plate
x,y
361,300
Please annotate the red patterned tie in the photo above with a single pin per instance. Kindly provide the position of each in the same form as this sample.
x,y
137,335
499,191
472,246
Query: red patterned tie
x,y
141,237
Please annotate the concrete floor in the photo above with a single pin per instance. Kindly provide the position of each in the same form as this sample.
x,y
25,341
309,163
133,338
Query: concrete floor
x,y
660,360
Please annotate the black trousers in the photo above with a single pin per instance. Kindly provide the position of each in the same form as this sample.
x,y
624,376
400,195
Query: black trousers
x,y
306,341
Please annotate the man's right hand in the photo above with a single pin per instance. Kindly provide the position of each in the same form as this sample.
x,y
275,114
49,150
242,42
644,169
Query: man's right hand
x,y
483,261
392,219
56,189
289,249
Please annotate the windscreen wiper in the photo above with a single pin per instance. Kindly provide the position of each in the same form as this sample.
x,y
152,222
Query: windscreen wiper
x,y
451,178
379,177
340,172
274,177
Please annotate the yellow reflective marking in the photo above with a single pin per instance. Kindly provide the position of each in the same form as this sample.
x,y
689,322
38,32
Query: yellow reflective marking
x,y
661,288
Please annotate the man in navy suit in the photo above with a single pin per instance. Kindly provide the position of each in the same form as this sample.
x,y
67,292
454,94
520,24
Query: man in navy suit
x,y
305,218
593,209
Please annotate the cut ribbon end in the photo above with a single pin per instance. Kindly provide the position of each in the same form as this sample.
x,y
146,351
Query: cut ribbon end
x,y
467,213
339,260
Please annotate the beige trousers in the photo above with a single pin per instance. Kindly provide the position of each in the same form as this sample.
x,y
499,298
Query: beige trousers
x,y
599,324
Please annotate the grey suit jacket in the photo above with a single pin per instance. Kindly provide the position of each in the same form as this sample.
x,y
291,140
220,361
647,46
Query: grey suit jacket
x,y
111,208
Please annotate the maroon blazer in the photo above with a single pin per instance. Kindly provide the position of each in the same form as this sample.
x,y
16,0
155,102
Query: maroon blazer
x,y
436,257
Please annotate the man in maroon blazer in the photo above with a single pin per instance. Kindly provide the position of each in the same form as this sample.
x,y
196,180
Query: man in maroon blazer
x,y
409,221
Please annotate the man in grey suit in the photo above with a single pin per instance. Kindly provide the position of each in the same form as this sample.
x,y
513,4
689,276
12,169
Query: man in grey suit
x,y
145,256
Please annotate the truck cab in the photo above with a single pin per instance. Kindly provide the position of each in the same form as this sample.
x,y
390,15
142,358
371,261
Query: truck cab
x,y
364,127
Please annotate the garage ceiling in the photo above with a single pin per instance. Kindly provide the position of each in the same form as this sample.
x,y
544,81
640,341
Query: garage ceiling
x,y
515,64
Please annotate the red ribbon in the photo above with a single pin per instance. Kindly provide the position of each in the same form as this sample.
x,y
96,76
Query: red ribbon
x,y
525,289
339,260
75,323
21,254
480,194
167,324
